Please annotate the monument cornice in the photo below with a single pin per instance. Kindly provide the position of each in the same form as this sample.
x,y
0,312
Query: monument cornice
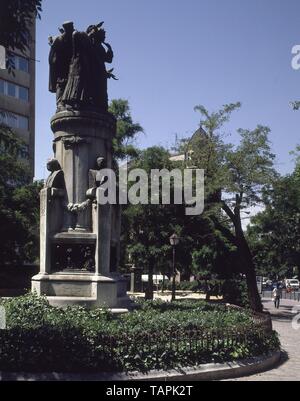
x,y
66,119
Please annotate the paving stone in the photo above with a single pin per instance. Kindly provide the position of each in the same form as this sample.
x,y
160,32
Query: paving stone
x,y
289,368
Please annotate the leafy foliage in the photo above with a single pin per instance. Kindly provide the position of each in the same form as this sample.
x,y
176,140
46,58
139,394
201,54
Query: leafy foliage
x,y
274,234
147,228
212,122
16,20
250,167
127,130
19,203
235,178
156,335
13,170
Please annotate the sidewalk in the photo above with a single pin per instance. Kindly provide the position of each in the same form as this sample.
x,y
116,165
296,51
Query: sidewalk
x,y
289,369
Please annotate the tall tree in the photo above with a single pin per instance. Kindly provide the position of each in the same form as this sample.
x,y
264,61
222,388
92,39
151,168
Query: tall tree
x,y
127,130
19,203
274,234
147,228
235,177
16,18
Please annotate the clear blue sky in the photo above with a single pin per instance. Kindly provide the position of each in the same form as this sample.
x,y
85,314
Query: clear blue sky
x,y
171,55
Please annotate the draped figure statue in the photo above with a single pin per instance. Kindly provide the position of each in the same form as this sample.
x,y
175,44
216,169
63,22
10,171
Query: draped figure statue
x,y
100,56
78,73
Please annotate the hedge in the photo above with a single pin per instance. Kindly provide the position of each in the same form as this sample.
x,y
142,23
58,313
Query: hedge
x,y
157,335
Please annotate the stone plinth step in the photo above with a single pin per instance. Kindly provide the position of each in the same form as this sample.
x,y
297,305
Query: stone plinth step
x,y
62,302
74,237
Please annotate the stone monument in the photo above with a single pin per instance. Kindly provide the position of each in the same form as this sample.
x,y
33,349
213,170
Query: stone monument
x,y
79,238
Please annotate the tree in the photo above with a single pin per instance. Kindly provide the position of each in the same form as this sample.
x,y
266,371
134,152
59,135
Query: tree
x,y
127,130
274,234
16,20
14,171
19,203
235,177
147,228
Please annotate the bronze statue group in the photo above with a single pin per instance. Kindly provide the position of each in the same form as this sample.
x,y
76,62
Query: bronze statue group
x,y
78,73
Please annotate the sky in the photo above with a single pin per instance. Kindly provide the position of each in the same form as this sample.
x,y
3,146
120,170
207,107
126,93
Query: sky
x,y
171,55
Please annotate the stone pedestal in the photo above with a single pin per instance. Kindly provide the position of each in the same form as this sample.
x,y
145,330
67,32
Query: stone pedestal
x,y
79,239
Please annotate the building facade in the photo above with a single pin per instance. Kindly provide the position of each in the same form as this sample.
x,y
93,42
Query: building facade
x,y
17,98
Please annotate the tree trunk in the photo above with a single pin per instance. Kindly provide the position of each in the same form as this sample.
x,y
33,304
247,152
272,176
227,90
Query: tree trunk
x,y
207,290
249,270
149,289
245,254
163,284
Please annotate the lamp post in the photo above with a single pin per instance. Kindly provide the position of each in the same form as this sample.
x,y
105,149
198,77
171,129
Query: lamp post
x,y
174,241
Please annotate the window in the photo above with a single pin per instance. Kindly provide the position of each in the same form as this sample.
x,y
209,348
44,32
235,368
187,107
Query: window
x,y
15,120
24,152
19,62
23,122
23,64
10,60
11,89
12,120
23,93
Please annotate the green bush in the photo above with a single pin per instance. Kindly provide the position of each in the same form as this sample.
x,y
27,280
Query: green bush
x,y
235,292
183,286
156,335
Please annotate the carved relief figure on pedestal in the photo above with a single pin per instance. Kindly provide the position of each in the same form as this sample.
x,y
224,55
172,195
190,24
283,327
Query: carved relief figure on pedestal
x,y
73,257
56,180
75,209
96,178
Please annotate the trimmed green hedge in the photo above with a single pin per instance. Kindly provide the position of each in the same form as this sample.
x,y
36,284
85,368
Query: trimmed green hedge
x,y
156,335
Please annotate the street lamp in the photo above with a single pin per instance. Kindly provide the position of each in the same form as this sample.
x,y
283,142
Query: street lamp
x,y
174,241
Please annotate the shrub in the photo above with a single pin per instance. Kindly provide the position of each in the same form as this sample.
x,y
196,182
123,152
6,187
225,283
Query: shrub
x,y
183,286
156,335
235,292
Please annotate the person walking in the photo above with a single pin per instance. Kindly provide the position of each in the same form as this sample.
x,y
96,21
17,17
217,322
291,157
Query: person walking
x,y
277,293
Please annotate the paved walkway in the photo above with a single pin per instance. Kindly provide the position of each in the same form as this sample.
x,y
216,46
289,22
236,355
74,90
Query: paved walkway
x,y
289,368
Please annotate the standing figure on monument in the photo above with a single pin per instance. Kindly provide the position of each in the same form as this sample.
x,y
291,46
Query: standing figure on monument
x,y
78,91
59,60
102,53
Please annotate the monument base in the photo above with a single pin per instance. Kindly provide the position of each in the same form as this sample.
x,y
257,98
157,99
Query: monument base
x,y
79,238
84,289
